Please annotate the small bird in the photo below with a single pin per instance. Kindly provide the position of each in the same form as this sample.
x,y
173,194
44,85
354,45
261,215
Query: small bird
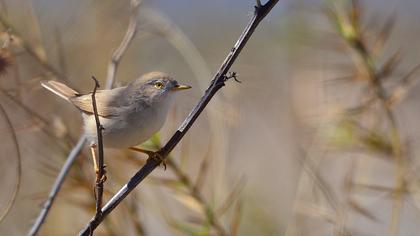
x,y
129,115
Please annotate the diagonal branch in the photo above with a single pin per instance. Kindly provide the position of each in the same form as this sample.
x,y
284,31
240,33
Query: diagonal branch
x,y
217,83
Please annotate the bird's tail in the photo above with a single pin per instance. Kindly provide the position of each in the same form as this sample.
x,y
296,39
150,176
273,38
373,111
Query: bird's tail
x,y
59,89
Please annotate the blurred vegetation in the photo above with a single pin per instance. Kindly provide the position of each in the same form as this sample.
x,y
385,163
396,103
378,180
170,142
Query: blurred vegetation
x,y
320,138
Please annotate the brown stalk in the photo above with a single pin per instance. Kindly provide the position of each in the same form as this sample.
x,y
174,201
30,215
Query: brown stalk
x,y
99,187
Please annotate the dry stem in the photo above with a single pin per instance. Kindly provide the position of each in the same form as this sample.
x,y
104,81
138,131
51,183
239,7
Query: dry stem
x,y
99,187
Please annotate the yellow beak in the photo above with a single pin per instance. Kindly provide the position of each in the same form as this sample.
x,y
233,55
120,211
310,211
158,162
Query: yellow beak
x,y
180,87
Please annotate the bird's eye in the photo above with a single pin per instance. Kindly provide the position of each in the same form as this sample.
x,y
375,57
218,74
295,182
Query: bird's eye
x,y
158,85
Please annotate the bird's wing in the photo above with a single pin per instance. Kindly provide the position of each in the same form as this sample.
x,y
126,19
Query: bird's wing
x,y
107,102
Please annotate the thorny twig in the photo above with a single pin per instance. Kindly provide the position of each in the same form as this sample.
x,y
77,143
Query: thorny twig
x,y
99,187
216,84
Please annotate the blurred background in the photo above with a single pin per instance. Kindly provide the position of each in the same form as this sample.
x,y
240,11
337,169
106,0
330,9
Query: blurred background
x,y
320,138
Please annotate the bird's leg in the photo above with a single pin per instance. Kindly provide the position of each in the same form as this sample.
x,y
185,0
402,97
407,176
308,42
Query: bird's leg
x,y
151,154
95,165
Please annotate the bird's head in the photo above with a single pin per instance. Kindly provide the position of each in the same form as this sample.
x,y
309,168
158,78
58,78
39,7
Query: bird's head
x,y
155,86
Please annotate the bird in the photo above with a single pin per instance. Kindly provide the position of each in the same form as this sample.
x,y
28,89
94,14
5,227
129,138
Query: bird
x,y
129,115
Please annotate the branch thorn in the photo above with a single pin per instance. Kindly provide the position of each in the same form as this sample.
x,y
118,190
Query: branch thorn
x,y
232,75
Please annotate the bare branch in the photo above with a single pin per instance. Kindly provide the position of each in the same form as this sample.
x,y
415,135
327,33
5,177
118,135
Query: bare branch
x,y
217,83
99,187
122,48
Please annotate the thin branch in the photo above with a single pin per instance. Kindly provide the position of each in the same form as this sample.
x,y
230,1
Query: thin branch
x,y
99,187
122,48
16,188
217,83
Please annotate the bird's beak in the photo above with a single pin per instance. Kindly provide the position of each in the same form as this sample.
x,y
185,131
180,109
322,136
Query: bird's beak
x,y
180,87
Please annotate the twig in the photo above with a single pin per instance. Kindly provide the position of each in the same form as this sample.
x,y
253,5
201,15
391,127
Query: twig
x,y
75,151
217,83
122,48
16,188
99,187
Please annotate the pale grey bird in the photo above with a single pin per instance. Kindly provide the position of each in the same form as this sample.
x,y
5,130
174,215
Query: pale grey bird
x,y
130,115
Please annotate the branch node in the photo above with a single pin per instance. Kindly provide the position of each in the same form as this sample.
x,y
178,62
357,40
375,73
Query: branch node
x,y
232,75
